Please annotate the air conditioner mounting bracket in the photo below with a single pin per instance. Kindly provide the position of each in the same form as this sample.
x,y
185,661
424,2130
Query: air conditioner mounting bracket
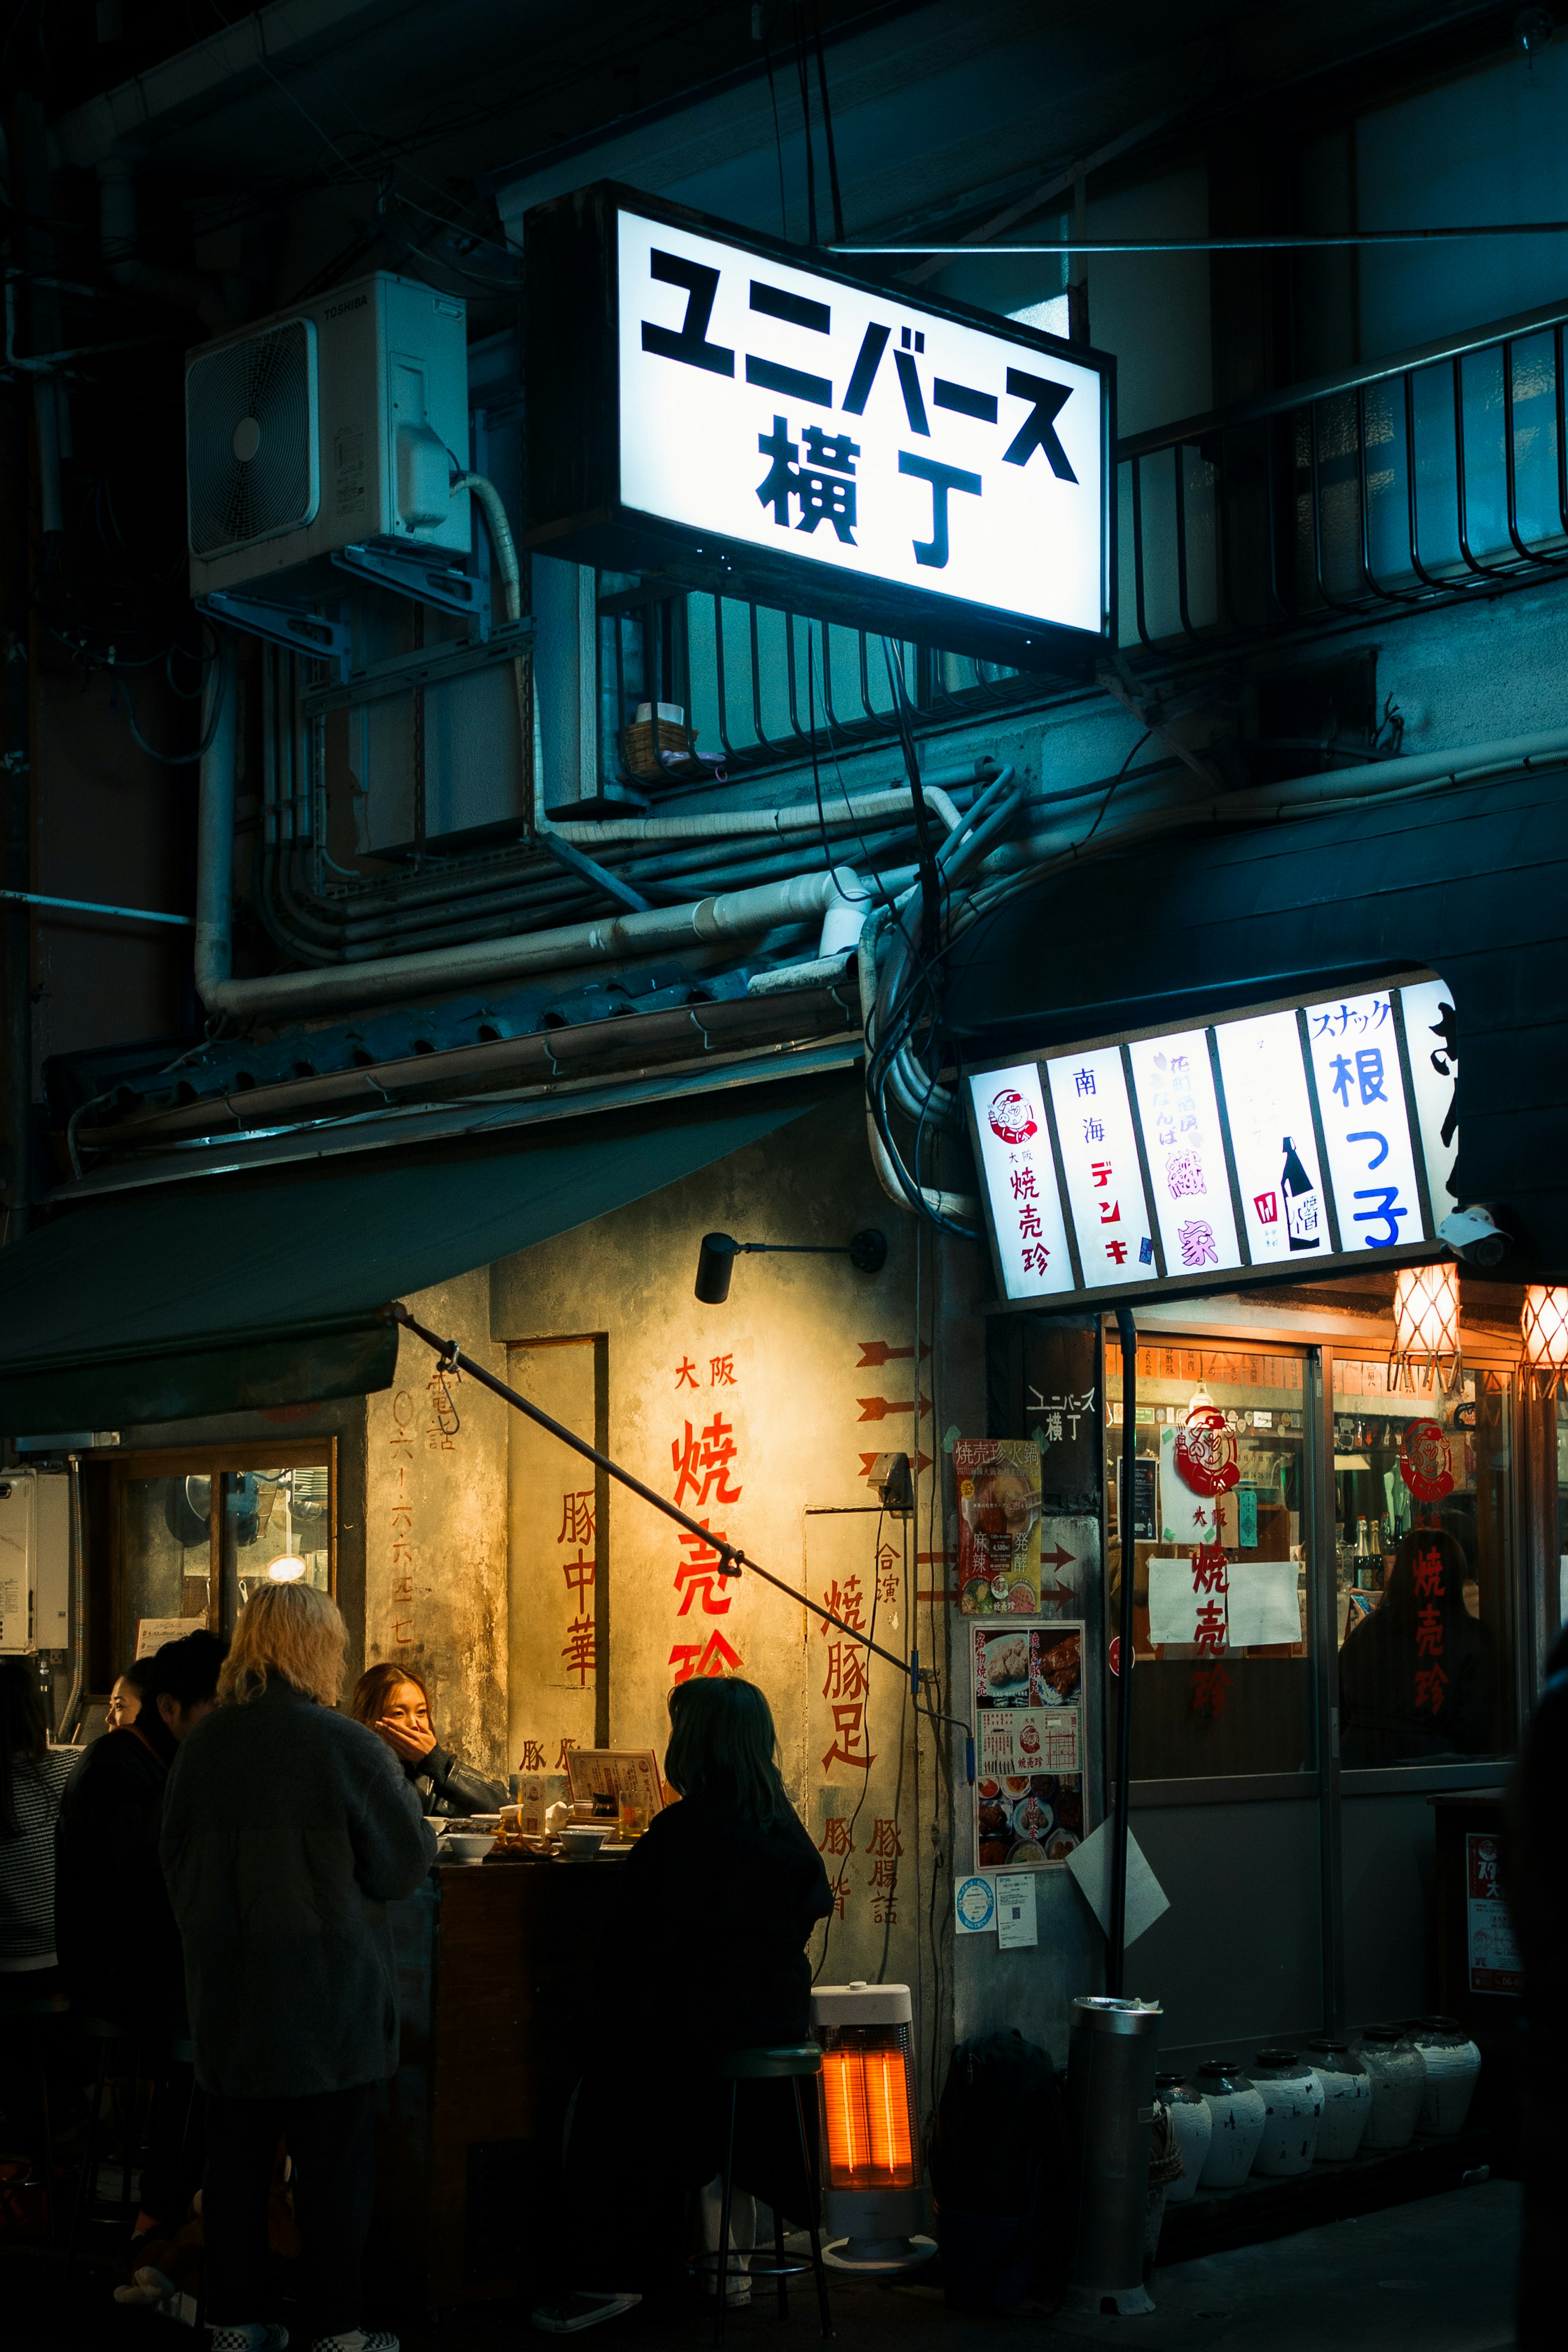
x,y
295,627
427,577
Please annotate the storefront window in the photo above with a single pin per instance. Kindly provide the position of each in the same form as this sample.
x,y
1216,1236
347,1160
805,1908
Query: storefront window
x,y
1424,1552
274,1520
1222,1610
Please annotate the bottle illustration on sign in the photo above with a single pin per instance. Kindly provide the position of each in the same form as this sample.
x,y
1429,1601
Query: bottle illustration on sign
x,y
1303,1223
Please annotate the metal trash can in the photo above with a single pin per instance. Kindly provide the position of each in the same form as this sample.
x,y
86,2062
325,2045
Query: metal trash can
x,y
1111,2109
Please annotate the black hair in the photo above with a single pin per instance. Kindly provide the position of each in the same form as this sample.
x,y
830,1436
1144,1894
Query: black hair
x,y
24,1734
184,1670
723,1745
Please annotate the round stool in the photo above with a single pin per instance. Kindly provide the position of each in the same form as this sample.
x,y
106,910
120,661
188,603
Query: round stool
x,y
38,2010
793,2063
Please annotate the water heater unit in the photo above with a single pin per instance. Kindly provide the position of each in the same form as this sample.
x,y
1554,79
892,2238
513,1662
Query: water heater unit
x,y
34,1561
339,421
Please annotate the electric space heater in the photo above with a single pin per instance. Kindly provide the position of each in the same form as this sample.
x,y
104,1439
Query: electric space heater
x,y
874,2196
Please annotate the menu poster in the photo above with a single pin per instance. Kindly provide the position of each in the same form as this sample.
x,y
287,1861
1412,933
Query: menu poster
x,y
151,1633
628,1776
1494,1962
998,1480
1028,1731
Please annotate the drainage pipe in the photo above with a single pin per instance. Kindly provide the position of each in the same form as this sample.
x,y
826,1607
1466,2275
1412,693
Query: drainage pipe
x,y
153,281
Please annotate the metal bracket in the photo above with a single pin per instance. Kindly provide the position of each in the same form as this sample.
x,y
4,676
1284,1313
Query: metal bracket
x,y
427,579
294,626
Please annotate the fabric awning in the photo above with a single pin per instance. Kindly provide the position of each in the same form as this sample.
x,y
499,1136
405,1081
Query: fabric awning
x,y
1471,883
251,1291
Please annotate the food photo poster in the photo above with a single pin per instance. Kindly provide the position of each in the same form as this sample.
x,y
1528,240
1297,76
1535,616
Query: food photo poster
x,y
1029,1730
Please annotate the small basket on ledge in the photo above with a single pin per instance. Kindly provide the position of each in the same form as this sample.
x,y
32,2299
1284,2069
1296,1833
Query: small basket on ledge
x,y
659,748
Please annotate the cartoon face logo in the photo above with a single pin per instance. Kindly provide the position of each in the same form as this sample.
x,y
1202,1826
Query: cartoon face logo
x,y
1011,1117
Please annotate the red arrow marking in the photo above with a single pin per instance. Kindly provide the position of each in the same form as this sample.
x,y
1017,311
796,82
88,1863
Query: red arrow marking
x,y
1057,1558
874,1353
921,1462
878,1408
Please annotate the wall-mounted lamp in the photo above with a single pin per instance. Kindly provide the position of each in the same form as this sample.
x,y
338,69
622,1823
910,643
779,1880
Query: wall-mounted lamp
x,y
866,1252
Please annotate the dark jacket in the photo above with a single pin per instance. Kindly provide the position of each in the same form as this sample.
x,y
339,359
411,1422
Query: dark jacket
x,y
285,1829
450,1788
710,1951
1535,1871
1381,1722
114,1930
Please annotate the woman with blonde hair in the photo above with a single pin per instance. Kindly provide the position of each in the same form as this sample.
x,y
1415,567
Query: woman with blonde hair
x,y
286,1828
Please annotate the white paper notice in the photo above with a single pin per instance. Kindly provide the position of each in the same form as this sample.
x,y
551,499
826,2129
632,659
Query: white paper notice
x,y
151,1633
1173,1603
1264,1606
1090,1866
1016,1922
1189,1517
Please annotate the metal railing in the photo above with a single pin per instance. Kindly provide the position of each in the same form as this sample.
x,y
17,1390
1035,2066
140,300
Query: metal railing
x,y
1425,478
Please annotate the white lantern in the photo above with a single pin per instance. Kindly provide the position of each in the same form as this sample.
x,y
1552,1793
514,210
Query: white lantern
x,y
1543,1325
1426,1313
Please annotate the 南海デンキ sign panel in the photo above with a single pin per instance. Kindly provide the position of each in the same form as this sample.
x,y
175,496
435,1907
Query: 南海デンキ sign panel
x,y
782,430
1274,1139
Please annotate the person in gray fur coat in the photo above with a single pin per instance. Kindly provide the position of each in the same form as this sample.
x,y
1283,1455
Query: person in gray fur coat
x,y
287,1828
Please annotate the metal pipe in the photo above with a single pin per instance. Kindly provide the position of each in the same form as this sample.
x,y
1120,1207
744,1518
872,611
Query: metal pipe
x,y
78,1600
91,907
215,833
153,281
1117,1930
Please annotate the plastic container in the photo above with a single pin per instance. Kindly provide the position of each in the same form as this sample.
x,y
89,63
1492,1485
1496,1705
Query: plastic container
x,y
1398,2076
1347,2100
1193,2127
1237,2111
1293,2106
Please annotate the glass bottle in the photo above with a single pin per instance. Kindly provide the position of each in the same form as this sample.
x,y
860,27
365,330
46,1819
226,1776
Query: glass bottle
x,y
1303,1223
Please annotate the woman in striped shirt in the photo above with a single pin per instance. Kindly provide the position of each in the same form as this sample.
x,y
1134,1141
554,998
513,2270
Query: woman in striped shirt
x,y
32,1777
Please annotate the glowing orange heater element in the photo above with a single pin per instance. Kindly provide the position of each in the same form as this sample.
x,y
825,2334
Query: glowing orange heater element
x,y
866,2112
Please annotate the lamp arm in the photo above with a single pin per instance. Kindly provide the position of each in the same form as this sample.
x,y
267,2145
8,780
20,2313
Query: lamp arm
x,y
451,1359
795,1249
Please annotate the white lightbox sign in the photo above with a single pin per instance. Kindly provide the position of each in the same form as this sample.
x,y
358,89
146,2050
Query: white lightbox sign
x,y
1367,1133
1429,1009
1100,1163
1180,1119
1271,1136
834,423
1021,1182
1308,1112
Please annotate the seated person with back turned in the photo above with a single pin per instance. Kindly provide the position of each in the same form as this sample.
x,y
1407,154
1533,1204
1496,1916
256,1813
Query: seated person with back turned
x,y
717,1902
394,1702
1416,1677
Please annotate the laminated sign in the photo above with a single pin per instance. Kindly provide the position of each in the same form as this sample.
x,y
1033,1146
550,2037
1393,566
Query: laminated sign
x,y
755,418
1029,1730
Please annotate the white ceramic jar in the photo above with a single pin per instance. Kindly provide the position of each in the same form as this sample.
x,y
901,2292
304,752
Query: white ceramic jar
x,y
1453,2064
1293,2108
1236,2112
1399,2074
1347,2100
1193,2127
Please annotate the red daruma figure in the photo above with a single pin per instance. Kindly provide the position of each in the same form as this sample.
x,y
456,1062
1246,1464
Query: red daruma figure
x,y
1416,1677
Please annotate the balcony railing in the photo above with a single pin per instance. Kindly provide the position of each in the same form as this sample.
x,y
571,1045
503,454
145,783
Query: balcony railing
x,y
1428,478
1425,478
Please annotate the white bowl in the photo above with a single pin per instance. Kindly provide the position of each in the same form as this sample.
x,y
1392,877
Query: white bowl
x,y
581,1843
465,1847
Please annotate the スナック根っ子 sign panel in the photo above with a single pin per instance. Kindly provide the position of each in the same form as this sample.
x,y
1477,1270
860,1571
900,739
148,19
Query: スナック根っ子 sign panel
x,y
758,420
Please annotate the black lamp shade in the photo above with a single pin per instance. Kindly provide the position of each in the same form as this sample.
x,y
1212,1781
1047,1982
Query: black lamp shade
x,y
715,1263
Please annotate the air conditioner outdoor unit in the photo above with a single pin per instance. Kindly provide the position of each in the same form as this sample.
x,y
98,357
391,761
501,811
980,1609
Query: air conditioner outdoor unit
x,y
34,1561
339,421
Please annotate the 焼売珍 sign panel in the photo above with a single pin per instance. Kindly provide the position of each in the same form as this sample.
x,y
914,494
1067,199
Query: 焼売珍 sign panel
x,y
1273,1138
762,422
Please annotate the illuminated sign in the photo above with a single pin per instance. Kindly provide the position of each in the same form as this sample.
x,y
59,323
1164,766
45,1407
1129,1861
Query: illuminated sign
x,y
1280,1138
723,409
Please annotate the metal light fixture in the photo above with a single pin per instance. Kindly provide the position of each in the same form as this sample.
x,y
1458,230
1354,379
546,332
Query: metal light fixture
x,y
1426,1314
866,1252
874,2202
289,1569
1543,1326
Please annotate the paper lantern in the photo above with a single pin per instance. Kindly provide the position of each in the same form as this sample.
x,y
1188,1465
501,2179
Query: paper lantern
x,y
1544,1324
874,2202
1427,1312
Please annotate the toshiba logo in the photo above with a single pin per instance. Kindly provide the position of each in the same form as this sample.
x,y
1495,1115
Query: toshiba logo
x,y
341,310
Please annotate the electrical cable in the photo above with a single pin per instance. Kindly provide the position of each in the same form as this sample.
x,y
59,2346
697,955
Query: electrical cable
x,y
778,135
865,1782
803,77
828,127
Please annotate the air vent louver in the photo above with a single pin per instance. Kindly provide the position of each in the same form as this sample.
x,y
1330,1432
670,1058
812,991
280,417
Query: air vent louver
x,y
250,439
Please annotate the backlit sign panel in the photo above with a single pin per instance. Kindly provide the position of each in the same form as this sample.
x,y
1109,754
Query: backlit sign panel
x,y
745,416
1271,1141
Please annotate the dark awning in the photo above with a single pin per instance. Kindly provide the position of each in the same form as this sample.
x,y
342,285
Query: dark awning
x,y
1471,883
256,1290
